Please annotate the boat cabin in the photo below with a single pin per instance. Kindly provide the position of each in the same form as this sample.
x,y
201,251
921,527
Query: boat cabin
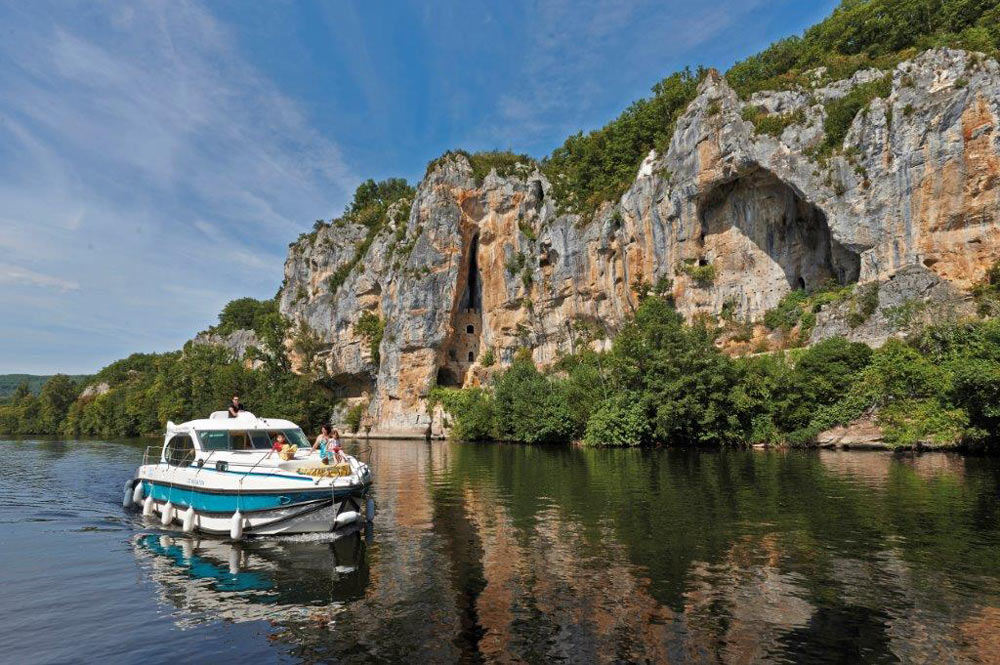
x,y
220,437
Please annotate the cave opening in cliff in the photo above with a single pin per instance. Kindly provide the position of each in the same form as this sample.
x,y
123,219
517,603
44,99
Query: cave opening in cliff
x,y
348,385
472,296
765,239
461,350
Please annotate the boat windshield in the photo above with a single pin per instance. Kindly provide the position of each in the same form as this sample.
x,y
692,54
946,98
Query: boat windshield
x,y
294,436
248,439
234,440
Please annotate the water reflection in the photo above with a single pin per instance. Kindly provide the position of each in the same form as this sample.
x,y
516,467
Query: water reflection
x,y
491,553
276,580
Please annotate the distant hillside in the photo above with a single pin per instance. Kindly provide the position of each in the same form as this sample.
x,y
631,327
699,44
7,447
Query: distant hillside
x,y
10,382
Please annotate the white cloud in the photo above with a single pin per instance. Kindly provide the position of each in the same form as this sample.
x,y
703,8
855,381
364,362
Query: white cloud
x,y
12,275
140,149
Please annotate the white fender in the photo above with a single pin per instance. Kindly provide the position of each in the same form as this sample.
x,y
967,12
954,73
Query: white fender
x,y
137,493
147,507
370,509
127,496
347,517
236,530
234,561
167,516
189,520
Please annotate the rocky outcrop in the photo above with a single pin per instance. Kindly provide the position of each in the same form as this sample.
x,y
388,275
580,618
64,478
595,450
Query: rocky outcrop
x,y
734,218
238,342
94,390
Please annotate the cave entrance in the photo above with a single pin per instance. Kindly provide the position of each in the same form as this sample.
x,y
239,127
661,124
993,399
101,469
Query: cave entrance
x,y
352,385
766,240
472,296
461,350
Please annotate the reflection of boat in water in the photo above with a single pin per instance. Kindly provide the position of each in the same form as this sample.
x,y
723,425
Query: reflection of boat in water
x,y
267,579
221,475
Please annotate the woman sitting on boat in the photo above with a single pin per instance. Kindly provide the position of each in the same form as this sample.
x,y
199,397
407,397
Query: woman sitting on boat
x,y
328,444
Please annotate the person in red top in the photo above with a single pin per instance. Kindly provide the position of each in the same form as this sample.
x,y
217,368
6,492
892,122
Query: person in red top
x,y
279,443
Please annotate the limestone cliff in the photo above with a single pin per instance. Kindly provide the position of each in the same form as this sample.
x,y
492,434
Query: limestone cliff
x,y
735,218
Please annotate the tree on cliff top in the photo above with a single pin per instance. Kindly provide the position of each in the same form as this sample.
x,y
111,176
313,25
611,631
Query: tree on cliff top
x,y
244,314
381,195
870,33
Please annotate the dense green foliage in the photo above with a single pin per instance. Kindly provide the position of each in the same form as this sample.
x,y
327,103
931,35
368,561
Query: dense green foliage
x,y
246,314
371,327
354,416
702,275
9,383
146,390
370,208
773,124
25,413
589,169
869,33
840,113
665,382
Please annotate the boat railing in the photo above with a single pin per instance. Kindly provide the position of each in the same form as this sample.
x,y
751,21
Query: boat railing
x,y
149,454
205,460
259,460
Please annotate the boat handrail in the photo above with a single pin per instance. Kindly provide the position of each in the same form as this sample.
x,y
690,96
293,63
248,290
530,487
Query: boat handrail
x,y
149,449
187,453
204,461
259,460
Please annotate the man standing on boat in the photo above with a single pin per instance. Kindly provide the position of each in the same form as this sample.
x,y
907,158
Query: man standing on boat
x,y
235,407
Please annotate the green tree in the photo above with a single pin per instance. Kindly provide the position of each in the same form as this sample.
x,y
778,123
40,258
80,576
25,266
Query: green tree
x,y
530,407
57,395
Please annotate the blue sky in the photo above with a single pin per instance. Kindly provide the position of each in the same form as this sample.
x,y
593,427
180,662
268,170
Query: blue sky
x,y
156,158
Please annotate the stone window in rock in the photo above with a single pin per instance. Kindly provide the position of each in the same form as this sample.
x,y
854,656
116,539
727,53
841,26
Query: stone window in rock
x,y
472,357
471,329
451,354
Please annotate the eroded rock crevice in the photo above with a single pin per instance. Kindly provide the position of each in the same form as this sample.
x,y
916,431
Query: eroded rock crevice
x,y
461,350
765,240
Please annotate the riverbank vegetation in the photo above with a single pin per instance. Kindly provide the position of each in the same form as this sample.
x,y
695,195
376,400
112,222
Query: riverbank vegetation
x,y
665,382
138,394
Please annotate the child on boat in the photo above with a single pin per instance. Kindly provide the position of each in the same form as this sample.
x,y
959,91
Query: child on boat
x,y
328,443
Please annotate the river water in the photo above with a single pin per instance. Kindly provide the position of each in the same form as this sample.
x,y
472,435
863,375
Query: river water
x,y
485,553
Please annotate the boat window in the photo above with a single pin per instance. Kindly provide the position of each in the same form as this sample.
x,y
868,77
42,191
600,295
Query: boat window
x,y
293,436
239,441
260,439
214,440
179,450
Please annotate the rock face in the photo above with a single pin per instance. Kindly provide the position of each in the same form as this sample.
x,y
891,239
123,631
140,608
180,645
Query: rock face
x,y
238,341
734,218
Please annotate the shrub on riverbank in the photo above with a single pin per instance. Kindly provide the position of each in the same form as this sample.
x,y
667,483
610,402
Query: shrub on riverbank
x,y
664,381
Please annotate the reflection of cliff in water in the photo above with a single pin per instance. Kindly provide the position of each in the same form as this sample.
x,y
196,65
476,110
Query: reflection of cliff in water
x,y
578,555
494,553
253,580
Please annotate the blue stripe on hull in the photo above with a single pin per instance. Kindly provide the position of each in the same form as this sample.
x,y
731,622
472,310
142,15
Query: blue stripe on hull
x,y
228,503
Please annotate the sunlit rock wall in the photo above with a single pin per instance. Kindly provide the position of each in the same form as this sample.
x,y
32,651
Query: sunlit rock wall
x,y
913,191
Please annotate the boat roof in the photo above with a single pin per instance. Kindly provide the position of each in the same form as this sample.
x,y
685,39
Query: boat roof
x,y
220,420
